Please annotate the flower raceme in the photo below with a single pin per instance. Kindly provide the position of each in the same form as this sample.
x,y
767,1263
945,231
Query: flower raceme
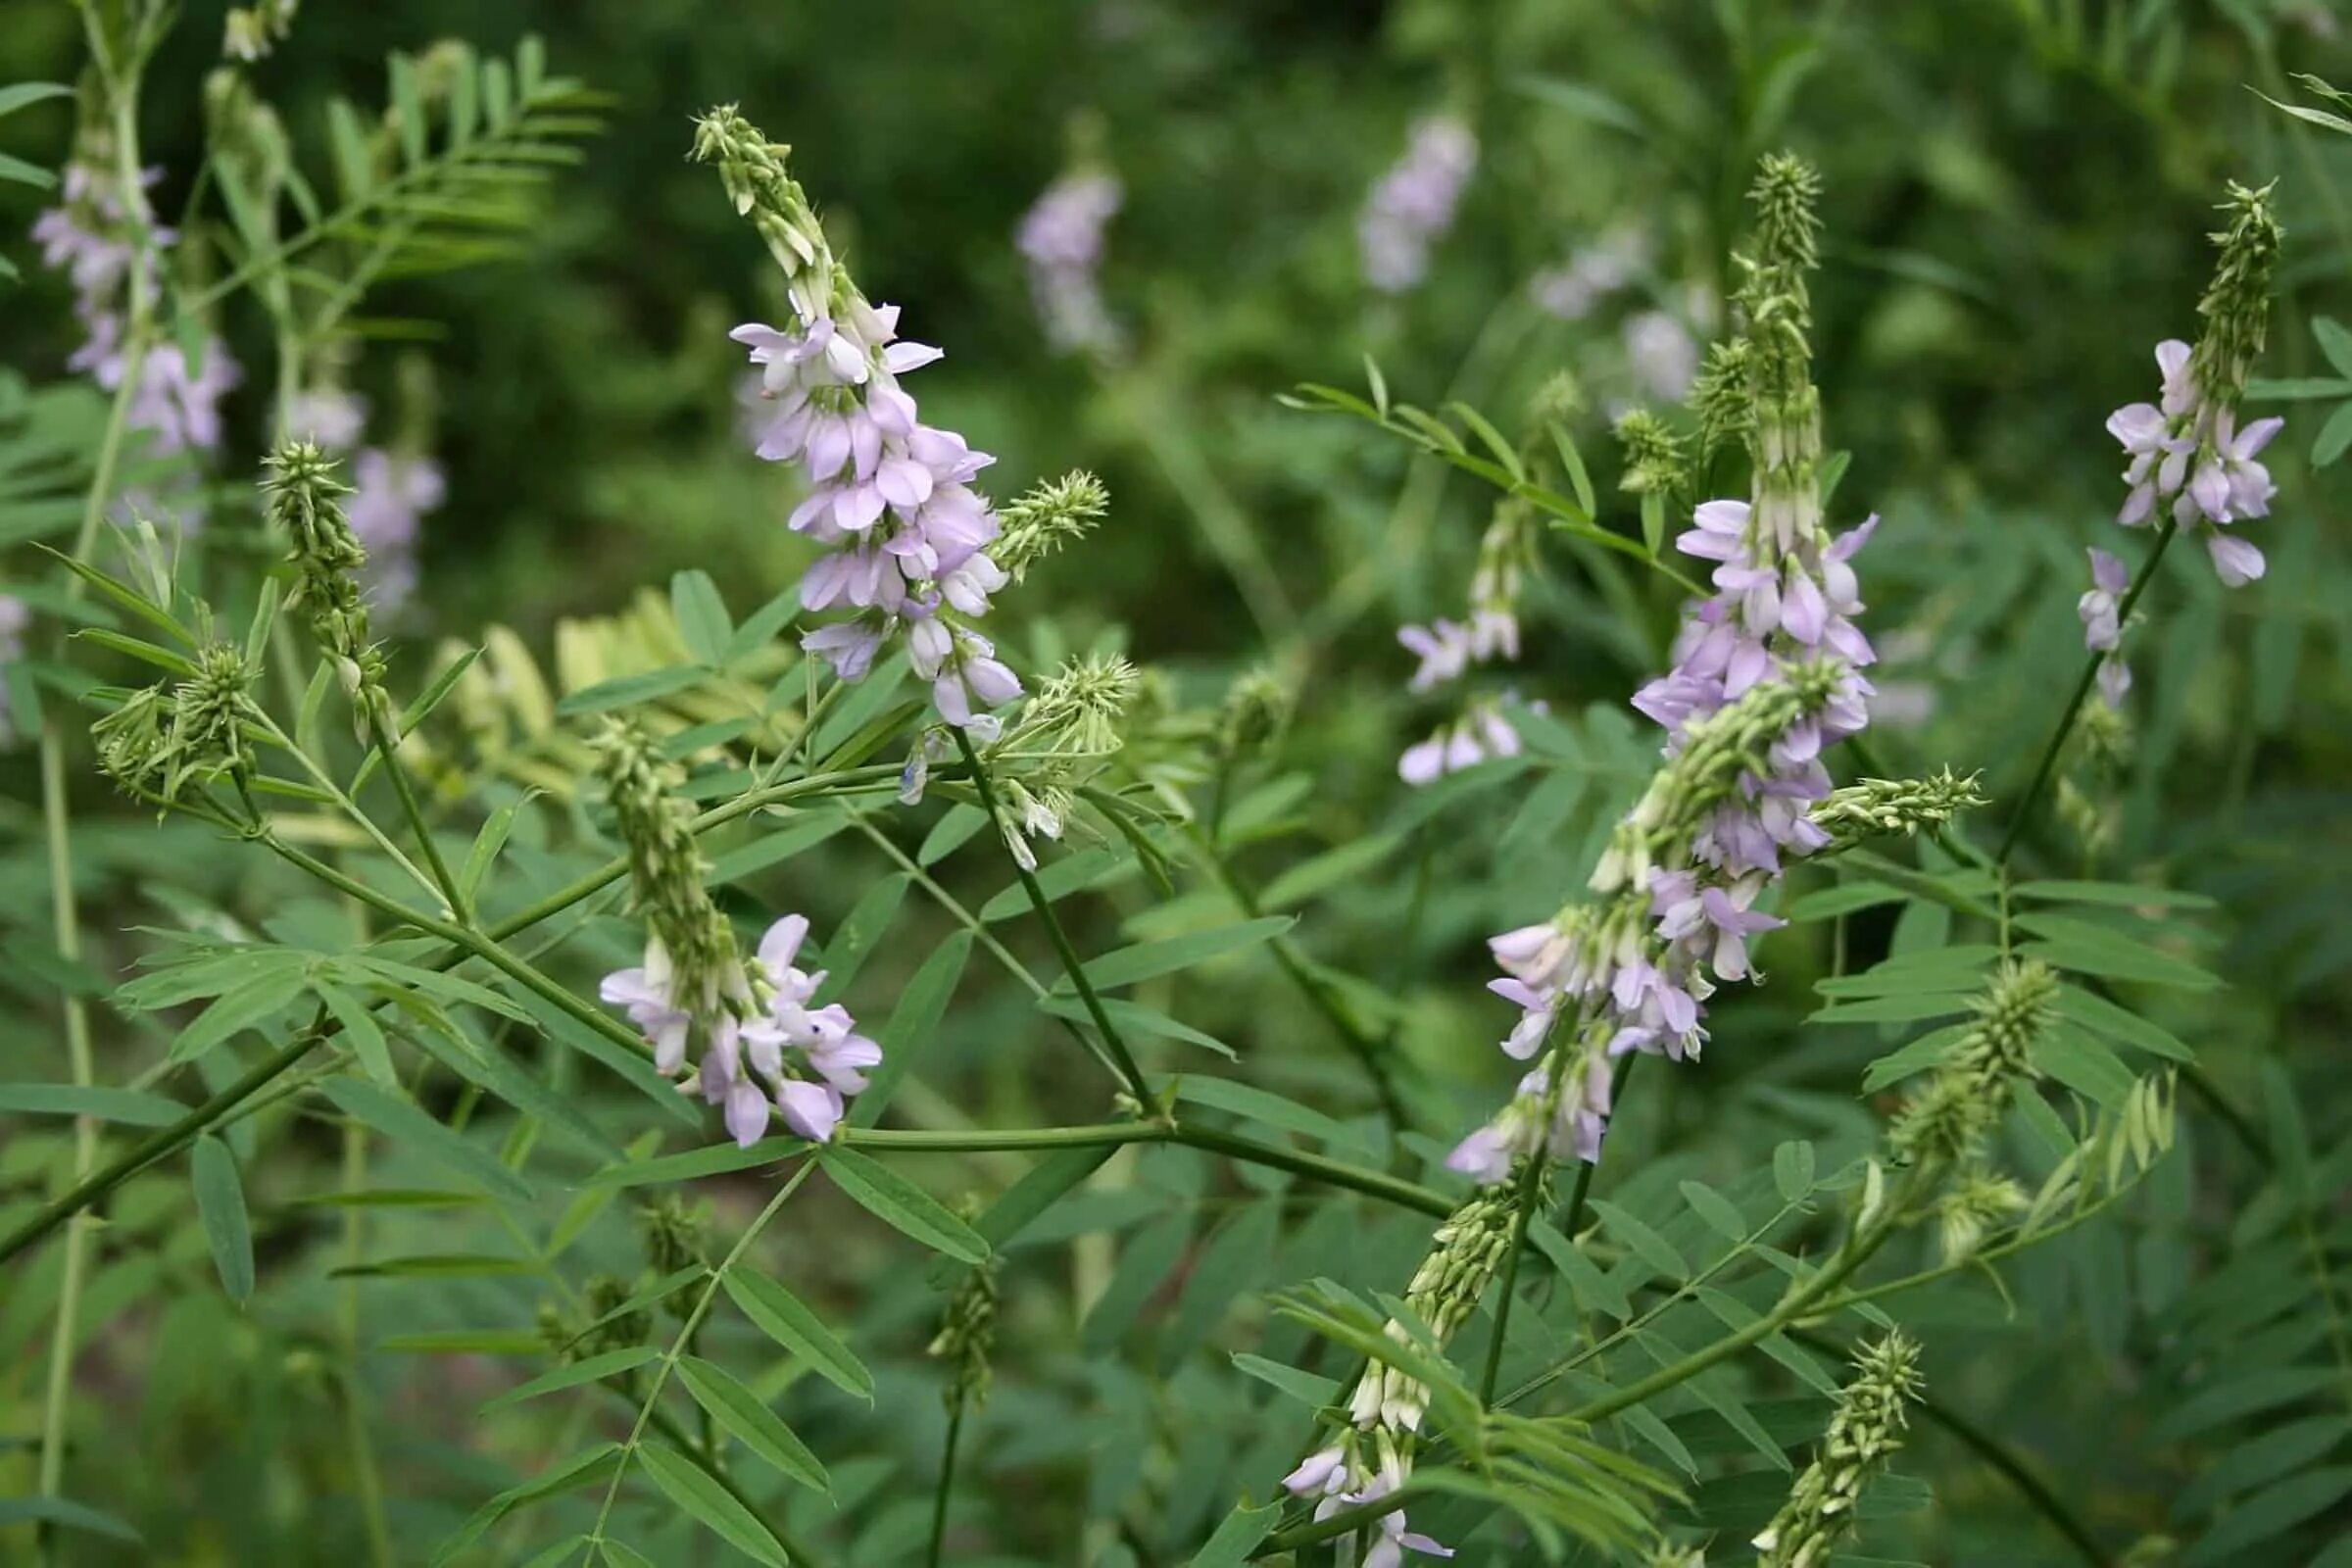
x,y
889,497
766,1049
1411,205
1061,237
2187,448
1766,674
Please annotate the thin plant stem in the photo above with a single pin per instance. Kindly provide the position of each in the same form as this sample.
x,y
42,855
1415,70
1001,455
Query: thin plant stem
x,y
2074,704
388,744
370,1485
946,1484
1120,1058
677,1347
1531,1193
56,811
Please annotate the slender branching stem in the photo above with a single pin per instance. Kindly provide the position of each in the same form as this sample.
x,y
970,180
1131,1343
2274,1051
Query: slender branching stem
x,y
388,744
946,1484
1120,1060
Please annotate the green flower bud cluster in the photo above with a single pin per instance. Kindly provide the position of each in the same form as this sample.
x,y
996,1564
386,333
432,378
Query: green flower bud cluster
x,y
1465,1254
754,171
1864,1433
1655,459
1784,434
1717,751
301,495
1971,1090
159,740
1046,516
1719,397
967,1333
1256,707
251,32
1873,806
668,872
2237,304
672,1229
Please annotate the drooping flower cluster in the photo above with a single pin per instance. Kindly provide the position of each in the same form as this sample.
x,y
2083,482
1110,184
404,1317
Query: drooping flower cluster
x,y
1864,1433
890,497
1373,1455
1766,675
1411,205
391,492
2187,448
1449,649
1061,237
765,1048
104,237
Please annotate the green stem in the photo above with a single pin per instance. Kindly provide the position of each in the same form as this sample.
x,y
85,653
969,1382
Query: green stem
x,y
56,812
1799,1304
388,746
677,1347
355,1418
2073,705
1120,1058
1287,959
1338,1173
946,1484
1531,1191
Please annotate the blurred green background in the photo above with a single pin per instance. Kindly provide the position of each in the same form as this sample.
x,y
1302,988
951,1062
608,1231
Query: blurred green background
x,y
2017,199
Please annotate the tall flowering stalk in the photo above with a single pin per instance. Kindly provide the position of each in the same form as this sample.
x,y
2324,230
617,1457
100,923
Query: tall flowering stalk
x,y
1767,674
2188,457
1372,1454
890,498
2187,448
391,490
763,1046
1411,204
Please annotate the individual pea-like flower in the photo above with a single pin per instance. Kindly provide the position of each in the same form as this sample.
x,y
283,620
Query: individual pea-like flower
x,y
1591,275
1444,648
2102,630
1413,204
1061,237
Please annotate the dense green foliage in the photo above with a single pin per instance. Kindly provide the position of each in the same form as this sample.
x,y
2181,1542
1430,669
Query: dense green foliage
x,y
442,1269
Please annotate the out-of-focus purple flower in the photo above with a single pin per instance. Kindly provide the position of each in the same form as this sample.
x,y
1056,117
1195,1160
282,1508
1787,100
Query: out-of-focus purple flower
x,y
1570,290
1411,205
1663,354
390,495
1061,237
15,616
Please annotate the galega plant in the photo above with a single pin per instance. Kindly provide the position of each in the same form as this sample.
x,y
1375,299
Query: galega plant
x,y
603,1100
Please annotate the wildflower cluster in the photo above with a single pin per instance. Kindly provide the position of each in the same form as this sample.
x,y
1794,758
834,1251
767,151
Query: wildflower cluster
x,y
104,237
391,491
1864,1433
1448,649
1373,1455
2186,448
1766,675
1411,205
1061,237
1971,1090
1061,739
763,1044
168,736
889,497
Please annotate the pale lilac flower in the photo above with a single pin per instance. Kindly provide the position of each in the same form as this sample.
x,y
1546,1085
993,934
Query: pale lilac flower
x,y
766,1051
389,495
1411,205
892,500
2187,450
1444,648
1480,735
330,418
1061,239
2237,560
1571,290
2109,578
